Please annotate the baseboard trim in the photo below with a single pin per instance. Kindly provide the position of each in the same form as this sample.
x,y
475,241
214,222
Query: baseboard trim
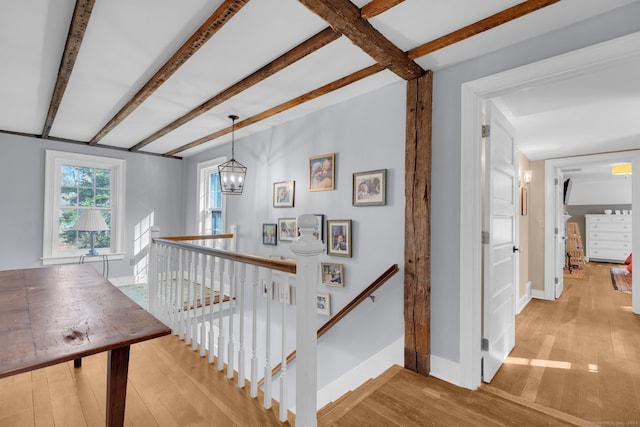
x,y
393,354
524,300
537,294
445,370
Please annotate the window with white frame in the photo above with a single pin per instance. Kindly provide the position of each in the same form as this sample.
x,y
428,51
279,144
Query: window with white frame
x,y
74,183
211,213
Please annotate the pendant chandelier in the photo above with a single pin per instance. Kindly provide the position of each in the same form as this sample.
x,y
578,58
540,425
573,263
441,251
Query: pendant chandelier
x,y
232,173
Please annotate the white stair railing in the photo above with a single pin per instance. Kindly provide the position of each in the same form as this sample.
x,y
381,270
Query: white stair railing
x,y
211,298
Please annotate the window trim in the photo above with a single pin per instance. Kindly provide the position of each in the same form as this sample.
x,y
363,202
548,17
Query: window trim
x,y
202,211
53,165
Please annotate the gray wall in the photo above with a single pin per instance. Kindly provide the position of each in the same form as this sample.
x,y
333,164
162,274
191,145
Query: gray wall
x,y
152,185
445,198
366,133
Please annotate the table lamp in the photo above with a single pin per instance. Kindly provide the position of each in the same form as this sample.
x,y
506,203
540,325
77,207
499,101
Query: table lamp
x,y
91,220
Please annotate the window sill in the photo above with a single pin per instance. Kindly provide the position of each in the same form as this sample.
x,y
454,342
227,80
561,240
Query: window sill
x,y
74,259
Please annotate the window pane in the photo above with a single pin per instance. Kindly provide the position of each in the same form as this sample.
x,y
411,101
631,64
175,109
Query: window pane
x,y
216,222
103,197
69,175
86,197
68,196
215,195
103,178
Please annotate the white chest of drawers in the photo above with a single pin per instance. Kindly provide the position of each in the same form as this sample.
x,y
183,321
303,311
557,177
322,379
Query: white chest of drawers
x,y
608,237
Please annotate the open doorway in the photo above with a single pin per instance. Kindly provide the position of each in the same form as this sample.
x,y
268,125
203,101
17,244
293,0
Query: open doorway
x,y
474,94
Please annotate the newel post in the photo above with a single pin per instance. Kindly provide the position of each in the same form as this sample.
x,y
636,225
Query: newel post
x,y
152,273
307,249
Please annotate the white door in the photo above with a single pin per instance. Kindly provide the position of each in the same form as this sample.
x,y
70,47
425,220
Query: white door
x,y
500,257
559,234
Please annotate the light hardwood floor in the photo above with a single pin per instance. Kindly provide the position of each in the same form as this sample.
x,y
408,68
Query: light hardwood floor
x,y
169,385
579,354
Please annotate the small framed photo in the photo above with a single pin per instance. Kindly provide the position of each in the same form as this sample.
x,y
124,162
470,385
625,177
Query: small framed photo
x,y
283,194
370,188
339,237
324,303
270,234
333,274
322,172
287,229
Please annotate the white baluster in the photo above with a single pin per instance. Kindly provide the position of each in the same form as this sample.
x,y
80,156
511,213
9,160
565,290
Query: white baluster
x,y
179,294
232,294
186,304
284,287
201,331
241,352
152,276
212,267
267,361
255,279
307,249
221,334
173,283
193,303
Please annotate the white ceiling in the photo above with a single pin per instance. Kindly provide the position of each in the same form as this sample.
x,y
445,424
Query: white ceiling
x,y
127,42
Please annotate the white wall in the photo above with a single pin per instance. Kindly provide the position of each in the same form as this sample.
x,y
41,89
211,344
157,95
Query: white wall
x,y
613,190
446,196
152,185
366,133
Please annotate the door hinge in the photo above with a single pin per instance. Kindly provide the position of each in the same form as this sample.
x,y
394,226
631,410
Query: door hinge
x,y
555,231
485,237
555,281
486,131
484,344
555,181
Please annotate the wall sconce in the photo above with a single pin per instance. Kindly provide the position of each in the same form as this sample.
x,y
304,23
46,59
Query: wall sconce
x,y
232,173
527,175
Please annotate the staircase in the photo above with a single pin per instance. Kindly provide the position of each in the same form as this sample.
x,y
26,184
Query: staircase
x,y
400,397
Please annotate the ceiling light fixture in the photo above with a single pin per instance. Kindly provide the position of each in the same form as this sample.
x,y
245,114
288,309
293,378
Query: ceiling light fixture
x,y
232,173
621,169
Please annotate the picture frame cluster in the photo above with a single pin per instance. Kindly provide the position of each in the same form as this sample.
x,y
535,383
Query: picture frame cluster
x,y
369,188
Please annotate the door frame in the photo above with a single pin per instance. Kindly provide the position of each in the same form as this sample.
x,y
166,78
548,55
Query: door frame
x,y
474,93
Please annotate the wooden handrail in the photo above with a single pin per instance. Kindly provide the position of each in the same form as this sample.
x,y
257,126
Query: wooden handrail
x,y
381,280
273,264
200,237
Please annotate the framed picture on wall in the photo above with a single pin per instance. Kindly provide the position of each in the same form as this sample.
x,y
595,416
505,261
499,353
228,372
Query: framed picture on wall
x,y
369,188
323,303
287,229
270,234
283,194
339,241
524,203
332,274
322,172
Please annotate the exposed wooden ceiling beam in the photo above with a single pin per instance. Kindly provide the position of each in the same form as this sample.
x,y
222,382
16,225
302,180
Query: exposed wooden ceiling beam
x,y
312,44
376,7
78,27
478,27
316,93
217,20
345,17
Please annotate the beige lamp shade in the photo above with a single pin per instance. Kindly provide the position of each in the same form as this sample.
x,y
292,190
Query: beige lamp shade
x,y
91,220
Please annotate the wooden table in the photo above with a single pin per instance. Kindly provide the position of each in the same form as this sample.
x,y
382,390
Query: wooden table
x,y
55,314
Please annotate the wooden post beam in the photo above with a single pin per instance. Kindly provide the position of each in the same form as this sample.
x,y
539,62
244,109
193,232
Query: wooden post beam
x,y
417,234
